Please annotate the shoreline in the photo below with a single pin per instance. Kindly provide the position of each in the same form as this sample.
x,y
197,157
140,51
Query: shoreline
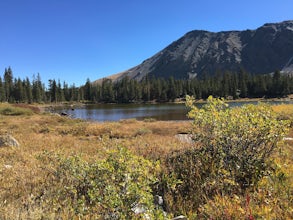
x,y
51,107
177,101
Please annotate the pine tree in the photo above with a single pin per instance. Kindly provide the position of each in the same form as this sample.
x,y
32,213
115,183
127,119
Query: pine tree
x,y
146,89
52,91
107,91
2,91
138,91
277,84
87,90
73,93
285,86
243,78
172,93
124,91
38,89
28,90
66,91
8,84
225,85
80,94
60,92
18,91
131,92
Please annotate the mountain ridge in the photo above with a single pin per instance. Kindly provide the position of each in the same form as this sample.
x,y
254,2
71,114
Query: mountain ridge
x,y
199,52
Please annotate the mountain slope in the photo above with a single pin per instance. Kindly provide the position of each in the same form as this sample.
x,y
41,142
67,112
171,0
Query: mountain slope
x,y
259,51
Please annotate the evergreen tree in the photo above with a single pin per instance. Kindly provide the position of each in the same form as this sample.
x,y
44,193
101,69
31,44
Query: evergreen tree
x,y
234,91
37,89
138,91
28,90
96,93
87,90
73,93
260,86
80,94
225,85
131,93
2,91
285,85
277,83
243,77
66,91
52,91
164,95
18,91
146,89
60,92
159,89
8,84
172,93
107,91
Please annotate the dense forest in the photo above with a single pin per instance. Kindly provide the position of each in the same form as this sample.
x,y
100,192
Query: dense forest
x,y
229,85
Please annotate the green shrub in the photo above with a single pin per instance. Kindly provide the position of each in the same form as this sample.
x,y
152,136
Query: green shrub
x,y
143,131
13,111
149,120
108,189
231,153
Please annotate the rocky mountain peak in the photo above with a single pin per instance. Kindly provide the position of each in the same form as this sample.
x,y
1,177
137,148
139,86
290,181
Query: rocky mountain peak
x,y
198,52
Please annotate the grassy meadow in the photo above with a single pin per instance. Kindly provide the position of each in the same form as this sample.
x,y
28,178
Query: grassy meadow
x,y
53,174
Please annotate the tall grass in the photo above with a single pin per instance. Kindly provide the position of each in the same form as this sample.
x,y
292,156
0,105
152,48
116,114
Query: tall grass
x,y
60,161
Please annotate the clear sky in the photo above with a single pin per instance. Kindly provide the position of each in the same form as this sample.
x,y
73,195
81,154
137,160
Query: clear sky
x,y
73,40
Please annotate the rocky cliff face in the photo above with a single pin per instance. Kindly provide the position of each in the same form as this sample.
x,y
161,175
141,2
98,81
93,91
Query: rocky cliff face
x,y
259,51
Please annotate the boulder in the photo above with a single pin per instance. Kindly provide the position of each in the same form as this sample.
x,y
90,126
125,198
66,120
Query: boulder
x,y
8,141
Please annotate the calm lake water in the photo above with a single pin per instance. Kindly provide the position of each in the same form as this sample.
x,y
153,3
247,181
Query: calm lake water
x,y
116,112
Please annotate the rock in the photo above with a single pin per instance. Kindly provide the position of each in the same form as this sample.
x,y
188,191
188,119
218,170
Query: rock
x,y
159,200
63,114
8,141
7,166
187,138
180,217
141,209
138,209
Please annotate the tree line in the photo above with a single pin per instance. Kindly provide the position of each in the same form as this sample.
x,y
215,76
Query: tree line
x,y
228,84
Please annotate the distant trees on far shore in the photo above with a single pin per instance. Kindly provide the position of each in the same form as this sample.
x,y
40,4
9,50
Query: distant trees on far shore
x,y
228,84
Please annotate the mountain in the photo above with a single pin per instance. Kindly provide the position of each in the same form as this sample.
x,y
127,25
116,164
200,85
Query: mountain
x,y
260,51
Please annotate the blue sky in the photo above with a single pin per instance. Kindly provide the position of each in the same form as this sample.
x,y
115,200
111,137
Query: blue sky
x,y
73,40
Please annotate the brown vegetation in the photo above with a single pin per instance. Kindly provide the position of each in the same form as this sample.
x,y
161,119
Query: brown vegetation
x,y
22,172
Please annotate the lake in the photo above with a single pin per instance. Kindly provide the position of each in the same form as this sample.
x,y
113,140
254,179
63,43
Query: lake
x,y
116,112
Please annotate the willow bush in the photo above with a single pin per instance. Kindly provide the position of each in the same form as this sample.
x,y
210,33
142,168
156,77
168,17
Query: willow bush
x,y
118,187
231,153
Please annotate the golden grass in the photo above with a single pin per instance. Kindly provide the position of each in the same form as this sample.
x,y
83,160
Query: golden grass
x,y
21,172
284,109
40,132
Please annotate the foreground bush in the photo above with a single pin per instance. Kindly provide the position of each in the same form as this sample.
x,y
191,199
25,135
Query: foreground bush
x,y
115,188
231,153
